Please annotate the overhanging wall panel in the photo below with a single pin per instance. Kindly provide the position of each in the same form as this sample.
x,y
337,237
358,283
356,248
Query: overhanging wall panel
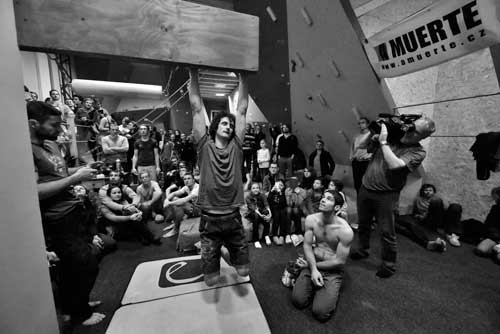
x,y
331,37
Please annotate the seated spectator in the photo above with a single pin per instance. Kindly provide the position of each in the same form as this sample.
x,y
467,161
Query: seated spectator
x,y
490,230
270,179
327,242
130,200
295,197
114,220
150,195
307,178
124,127
277,203
258,213
114,146
101,243
263,159
321,161
180,203
313,197
337,185
428,215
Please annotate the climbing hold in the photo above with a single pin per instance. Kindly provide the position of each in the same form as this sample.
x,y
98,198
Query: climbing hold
x,y
299,59
356,113
309,117
282,75
334,68
310,98
346,137
271,13
322,100
306,16
294,65
285,109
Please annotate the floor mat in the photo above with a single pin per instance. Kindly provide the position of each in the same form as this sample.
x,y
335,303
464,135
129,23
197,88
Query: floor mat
x,y
171,277
230,309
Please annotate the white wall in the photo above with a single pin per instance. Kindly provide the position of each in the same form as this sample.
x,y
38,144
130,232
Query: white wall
x,y
40,73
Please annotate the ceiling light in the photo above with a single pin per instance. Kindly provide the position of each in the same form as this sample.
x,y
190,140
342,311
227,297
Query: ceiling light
x,y
220,94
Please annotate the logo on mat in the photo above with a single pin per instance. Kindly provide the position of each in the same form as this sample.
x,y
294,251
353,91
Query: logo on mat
x,y
178,273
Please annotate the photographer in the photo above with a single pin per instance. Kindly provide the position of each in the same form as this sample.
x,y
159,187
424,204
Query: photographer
x,y
383,180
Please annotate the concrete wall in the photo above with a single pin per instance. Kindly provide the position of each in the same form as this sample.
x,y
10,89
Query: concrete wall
x,y
449,163
27,304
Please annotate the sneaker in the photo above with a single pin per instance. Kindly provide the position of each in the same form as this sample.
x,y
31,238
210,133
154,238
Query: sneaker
x,y
288,240
169,227
159,219
355,226
295,240
281,241
453,239
276,241
171,233
257,244
438,245
268,240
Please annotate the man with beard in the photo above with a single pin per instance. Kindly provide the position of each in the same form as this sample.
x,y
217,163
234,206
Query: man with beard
x,y
66,222
327,241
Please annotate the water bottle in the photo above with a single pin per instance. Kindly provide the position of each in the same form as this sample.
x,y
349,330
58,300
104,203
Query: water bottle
x,y
118,166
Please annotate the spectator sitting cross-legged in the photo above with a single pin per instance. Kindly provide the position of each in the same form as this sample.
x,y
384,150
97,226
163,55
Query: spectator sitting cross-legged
x,y
180,203
150,195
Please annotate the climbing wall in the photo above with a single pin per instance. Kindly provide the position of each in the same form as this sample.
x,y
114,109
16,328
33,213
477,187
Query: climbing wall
x,y
269,87
331,81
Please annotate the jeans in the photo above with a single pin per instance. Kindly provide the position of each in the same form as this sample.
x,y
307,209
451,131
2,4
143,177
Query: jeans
x,y
324,299
218,230
358,170
381,205
280,221
295,214
256,221
423,231
285,165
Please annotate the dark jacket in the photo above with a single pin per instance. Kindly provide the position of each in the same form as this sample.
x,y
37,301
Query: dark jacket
x,y
325,160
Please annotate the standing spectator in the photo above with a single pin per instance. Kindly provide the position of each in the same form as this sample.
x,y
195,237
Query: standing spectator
x,y
78,101
249,148
67,225
84,131
270,179
146,156
259,135
167,152
124,127
277,203
263,159
307,178
114,146
360,158
321,161
286,148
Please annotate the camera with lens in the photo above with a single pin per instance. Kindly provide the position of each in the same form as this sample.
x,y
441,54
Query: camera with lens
x,y
397,125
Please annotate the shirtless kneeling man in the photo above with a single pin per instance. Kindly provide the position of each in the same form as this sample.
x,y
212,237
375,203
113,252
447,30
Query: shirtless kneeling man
x,y
327,241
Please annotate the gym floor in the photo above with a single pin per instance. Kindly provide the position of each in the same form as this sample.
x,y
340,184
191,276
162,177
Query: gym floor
x,y
453,292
